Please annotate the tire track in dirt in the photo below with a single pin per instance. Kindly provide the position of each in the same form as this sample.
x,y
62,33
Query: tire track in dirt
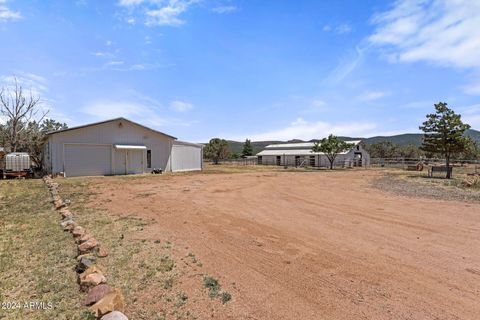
x,y
302,245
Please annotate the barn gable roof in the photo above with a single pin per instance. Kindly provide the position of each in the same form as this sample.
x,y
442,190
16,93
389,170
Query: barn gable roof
x,y
110,120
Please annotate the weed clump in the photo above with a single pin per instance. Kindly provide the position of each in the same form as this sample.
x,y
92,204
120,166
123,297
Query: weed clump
x,y
214,289
166,264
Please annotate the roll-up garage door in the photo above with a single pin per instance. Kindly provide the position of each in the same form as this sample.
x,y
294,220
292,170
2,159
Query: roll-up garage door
x,y
87,160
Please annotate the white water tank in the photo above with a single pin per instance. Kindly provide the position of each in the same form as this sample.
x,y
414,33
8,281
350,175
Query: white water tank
x,y
17,161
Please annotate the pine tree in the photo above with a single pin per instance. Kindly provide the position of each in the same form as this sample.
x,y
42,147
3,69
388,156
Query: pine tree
x,y
247,149
444,133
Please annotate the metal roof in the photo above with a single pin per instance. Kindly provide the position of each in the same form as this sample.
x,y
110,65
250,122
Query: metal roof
x,y
178,142
301,145
292,152
106,121
128,147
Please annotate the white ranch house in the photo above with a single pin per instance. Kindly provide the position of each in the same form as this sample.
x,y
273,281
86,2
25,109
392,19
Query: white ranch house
x,y
300,154
115,147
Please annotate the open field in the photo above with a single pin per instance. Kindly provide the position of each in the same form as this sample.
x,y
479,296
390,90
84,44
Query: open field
x,y
251,243
284,245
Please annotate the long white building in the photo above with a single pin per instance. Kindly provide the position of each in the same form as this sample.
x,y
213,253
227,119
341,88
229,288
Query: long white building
x,y
115,147
300,154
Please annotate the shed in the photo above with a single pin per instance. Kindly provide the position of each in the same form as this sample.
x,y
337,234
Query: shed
x,y
115,147
300,154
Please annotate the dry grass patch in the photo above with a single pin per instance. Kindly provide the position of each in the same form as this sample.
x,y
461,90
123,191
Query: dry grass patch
x,y
418,184
155,275
36,256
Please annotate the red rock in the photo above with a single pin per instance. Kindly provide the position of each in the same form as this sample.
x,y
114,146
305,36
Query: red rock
x,y
78,231
113,301
91,277
96,293
88,245
59,205
68,225
114,315
102,252
87,236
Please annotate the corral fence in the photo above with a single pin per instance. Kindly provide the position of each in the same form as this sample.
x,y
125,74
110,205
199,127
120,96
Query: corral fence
x,y
236,162
412,163
297,163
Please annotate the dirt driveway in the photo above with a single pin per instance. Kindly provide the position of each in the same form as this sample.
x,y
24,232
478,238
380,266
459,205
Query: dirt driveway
x,y
316,245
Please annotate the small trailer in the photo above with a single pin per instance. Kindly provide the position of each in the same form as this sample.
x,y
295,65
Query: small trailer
x,y
17,165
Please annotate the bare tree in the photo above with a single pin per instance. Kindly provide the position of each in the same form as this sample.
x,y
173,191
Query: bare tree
x,y
18,111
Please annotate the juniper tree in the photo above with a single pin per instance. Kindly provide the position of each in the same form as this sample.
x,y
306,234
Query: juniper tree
x,y
331,147
216,150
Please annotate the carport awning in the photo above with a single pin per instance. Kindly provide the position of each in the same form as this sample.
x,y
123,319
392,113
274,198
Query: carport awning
x,y
125,146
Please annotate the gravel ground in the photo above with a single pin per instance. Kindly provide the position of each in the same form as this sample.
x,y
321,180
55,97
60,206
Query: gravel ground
x,y
420,186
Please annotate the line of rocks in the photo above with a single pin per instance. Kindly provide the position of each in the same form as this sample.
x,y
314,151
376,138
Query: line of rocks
x,y
105,302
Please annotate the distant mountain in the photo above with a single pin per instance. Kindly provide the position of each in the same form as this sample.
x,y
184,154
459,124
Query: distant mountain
x,y
400,139
413,138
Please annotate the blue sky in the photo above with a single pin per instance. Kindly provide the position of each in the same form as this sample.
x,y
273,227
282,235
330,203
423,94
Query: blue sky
x,y
237,69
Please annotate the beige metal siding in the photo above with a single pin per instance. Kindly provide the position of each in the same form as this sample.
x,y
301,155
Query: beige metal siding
x,y
114,132
186,156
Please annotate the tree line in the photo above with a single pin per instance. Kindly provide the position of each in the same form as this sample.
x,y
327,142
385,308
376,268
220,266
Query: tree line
x,y
443,136
24,125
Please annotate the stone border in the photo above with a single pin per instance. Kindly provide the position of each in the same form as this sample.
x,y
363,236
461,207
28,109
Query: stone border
x,y
105,302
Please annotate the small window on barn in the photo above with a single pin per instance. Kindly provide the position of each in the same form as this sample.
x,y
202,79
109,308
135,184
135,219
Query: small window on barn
x,y
149,158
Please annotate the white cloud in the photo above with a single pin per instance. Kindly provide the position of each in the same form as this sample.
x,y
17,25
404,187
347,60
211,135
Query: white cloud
x,y
181,106
109,109
130,2
142,113
443,32
305,130
103,54
29,82
343,28
37,86
224,9
469,110
137,107
317,103
340,29
157,13
471,115
115,63
346,66
373,95
473,89
6,14
327,28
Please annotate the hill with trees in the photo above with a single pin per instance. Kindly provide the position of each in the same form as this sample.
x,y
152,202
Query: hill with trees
x,y
403,140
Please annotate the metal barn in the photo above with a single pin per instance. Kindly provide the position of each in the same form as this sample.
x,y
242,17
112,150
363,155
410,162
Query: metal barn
x,y
300,154
116,147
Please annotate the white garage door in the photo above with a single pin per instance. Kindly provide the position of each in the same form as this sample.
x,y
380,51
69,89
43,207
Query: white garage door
x,y
87,160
